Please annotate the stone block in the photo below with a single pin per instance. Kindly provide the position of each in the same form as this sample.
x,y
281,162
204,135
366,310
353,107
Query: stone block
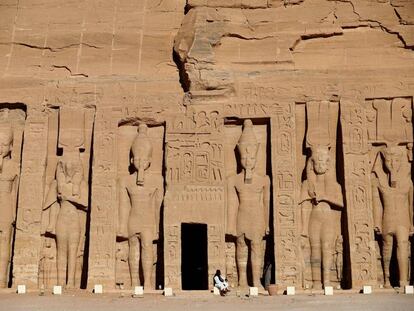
x,y
21,289
290,290
98,289
328,290
168,292
367,289
253,291
138,291
57,290
409,289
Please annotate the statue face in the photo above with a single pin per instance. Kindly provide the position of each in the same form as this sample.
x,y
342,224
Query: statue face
x,y
141,162
320,162
393,160
248,158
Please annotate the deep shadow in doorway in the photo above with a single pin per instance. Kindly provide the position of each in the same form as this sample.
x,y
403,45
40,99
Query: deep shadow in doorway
x,y
194,257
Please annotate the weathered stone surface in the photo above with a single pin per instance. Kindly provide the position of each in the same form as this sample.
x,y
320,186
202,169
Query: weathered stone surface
x,y
331,77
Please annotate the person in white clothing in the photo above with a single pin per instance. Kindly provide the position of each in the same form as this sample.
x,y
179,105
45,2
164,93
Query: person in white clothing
x,y
221,283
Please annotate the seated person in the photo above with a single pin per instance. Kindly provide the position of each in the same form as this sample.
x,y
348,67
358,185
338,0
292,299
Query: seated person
x,y
221,283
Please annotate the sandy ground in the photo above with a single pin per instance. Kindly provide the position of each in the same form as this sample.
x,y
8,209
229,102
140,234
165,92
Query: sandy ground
x,y
205,301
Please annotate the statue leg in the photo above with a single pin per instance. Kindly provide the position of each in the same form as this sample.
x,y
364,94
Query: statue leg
x,y
133,260
316,251
62,257
147,259
327,256
402,235
256,258
46,273
386,257
242,256
5,237
73,244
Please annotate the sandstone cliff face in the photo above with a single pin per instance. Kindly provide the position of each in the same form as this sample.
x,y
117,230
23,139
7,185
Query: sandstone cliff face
x,y
168,63
222,45
81,46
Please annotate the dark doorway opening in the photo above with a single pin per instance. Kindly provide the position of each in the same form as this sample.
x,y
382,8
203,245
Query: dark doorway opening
x,y
194,266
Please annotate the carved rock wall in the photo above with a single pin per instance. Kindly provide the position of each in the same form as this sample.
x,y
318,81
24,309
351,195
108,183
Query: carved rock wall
x,y
195,69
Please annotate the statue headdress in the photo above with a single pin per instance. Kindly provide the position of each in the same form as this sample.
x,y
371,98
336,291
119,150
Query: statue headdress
x,y
142,147
248,144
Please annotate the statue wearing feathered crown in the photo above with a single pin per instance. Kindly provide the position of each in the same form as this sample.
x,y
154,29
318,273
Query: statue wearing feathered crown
x,y
140,199
9,171
248,207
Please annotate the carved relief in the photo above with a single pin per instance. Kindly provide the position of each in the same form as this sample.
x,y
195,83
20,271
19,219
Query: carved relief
x,y
140,198
11,128
195,160
321,198
205,119
248,199
392,187
287,237
65,205
372,132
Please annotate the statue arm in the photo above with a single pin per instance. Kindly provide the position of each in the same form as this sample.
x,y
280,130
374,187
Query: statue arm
x,y
266,202
378,172
232,206
306,209
377,209
124,209
52,203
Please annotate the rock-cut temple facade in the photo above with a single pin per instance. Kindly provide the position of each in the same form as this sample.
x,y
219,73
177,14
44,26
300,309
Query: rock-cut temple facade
x,y
152,143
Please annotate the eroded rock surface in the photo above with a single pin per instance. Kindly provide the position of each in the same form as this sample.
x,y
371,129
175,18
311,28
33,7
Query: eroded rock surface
x,y
332,77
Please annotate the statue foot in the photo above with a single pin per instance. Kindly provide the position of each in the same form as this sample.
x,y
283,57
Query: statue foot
x,y
317,285
148,286
387,285
326,284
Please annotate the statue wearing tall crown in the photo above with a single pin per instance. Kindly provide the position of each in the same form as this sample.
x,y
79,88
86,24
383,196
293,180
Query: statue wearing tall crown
x,y
140,198
248,207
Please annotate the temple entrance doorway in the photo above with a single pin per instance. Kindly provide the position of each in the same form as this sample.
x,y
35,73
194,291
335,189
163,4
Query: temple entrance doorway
x,y
194,263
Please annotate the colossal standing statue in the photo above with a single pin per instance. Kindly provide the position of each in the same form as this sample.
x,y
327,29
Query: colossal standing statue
x,y
248,207
66,219
321,202
393,207
140,199
9,171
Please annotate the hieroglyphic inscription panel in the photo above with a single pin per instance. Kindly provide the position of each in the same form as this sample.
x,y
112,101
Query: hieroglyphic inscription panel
x,y
26,259
285,194
102,250
195,176
358,193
